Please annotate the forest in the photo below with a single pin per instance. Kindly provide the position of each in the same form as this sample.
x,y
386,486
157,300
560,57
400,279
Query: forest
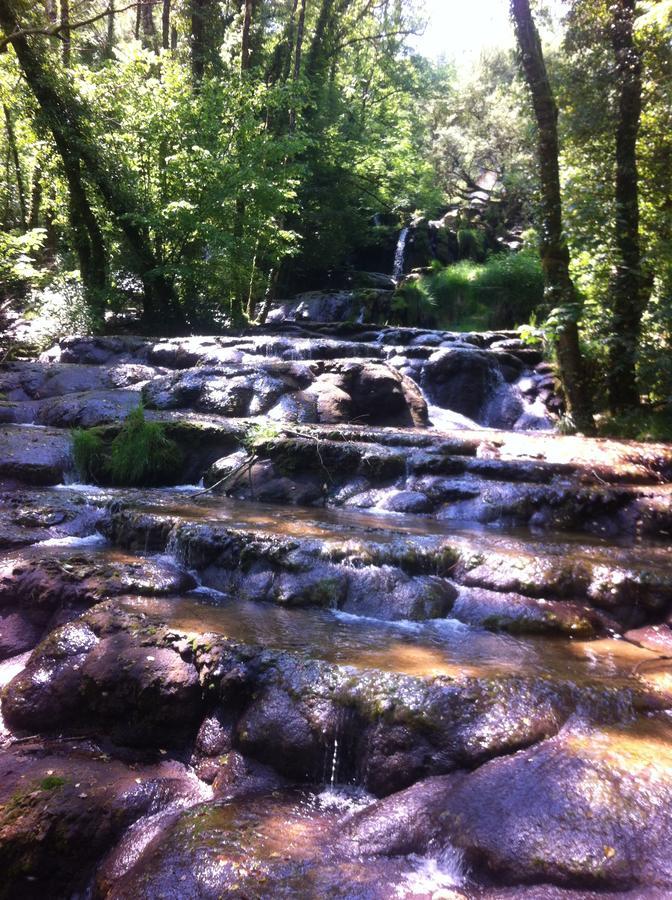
x,y
188,163
335,449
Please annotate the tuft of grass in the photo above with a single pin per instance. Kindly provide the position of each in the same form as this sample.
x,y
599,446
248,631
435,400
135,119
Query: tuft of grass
x,y
140,455
413,304
51,782
88,449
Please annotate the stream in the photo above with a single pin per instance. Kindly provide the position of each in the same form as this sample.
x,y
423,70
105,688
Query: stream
x,y
418,647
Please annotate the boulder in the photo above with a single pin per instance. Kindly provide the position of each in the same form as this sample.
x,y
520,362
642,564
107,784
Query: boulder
x,y
35,456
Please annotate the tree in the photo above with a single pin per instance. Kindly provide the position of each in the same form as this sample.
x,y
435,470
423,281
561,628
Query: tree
x,y
554,251
630,289
67,117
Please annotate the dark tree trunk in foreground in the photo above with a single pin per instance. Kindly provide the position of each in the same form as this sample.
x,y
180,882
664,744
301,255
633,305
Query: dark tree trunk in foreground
x,y
629,290
203,37
554,251
66,118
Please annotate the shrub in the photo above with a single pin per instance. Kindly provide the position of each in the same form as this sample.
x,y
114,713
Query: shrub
x,y
140,455
639,425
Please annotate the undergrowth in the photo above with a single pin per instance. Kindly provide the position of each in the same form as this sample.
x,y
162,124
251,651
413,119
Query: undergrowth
x,y
644,424
502,292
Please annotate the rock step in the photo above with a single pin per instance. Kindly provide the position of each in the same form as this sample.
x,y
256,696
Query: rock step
x,y
394,569
295,377
131,670
44,587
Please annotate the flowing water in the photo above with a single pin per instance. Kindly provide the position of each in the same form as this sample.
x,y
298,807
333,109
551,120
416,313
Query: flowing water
x,y
344,653
400,254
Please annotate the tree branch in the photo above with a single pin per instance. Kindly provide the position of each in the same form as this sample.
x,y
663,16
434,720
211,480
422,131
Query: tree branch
x,y
56,29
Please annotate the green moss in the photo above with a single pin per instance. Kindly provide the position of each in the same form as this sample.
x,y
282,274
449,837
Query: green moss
x,y
51,782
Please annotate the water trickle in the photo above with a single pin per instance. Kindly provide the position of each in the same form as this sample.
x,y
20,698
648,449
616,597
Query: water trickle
x,y
400,254
334,763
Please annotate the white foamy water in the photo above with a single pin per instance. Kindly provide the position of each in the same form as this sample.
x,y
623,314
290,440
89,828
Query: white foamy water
x,y
89,540
344,799
433,873
448,420
91,490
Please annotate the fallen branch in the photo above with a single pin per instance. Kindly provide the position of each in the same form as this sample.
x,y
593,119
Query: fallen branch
x,y
239,470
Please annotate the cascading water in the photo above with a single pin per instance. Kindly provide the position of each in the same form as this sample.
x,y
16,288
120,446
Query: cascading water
x,y
400,254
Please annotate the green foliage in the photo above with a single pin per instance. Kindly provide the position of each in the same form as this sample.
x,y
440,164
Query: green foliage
x,y
413,304
57,308
259,434
503,292
18,267
471,244
141,455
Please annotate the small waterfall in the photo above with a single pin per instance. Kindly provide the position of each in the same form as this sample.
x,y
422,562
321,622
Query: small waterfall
x,y
400,253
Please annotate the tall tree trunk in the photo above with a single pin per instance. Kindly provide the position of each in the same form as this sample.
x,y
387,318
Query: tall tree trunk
x,y
629,290
14,150
87,238
300,27
165,25
554,251
148,26
241,299
111,39
67,117
199,52
65,32
246,41
35,197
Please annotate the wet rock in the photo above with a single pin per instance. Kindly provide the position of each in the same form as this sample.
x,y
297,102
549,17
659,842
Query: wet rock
x,y
268,845
59,813
653,637
94,350
503,611
35,456
588,806
88,409
32,516
461,380
405,822
137,692
39,593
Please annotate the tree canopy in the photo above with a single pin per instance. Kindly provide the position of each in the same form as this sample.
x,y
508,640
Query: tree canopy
x,y
191,160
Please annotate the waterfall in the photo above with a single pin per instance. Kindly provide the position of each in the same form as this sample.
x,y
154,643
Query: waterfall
x,y
400,253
